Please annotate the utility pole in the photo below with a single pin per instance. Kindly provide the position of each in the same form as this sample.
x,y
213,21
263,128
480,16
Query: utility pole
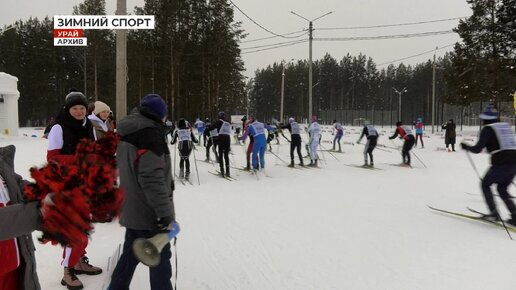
x,y
433,92
310,39
282,88
282,92
121,64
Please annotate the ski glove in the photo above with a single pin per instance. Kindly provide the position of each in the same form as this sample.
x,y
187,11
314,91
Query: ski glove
x,y
465,146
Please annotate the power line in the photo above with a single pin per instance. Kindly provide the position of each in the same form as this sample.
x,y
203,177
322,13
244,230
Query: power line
x,y
269,37
415,55
252,20
274,47
273,44
390,25
408,35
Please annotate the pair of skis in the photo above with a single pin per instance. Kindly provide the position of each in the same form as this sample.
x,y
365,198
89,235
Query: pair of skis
x,y
478,216
219,174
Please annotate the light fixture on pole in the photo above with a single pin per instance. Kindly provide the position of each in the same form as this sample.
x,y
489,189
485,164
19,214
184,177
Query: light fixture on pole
x,y
404,90
283,87
310,39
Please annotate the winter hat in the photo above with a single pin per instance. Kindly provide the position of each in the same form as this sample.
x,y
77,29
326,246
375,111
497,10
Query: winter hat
x,y
74,99
100,107
182,123
314,118
221,115
398,123
291,120
490,113
156,104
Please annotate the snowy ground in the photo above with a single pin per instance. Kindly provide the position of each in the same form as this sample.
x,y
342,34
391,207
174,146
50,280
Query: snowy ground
x,y
337,227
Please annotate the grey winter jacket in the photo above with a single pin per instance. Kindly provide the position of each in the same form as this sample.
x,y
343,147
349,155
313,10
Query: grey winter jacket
x,y
19,220
145,172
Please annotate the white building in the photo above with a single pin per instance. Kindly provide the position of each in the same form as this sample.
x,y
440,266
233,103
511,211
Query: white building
x,y
9,96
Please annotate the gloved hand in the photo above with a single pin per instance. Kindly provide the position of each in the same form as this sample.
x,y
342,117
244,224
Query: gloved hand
x,y
390,138
464,146
163,224
358,142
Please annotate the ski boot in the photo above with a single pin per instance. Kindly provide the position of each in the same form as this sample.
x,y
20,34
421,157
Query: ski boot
x,y
227,172
181,173
291,164
187,175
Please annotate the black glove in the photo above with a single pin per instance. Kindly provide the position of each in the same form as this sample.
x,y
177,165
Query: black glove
x,y
464,146
390,138
163,224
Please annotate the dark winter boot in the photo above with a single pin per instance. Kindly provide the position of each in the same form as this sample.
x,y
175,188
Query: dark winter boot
x,y
70,280
227,172
187,175
291,163
181,173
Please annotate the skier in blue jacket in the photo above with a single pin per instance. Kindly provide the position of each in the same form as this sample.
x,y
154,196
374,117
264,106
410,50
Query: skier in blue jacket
x,y
257,130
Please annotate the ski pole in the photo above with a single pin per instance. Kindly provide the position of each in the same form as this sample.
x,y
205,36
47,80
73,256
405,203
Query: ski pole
x,y
419,159
328,153
277,157
473,165
175,155
196,170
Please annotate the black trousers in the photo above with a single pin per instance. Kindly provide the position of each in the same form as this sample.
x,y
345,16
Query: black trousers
x,y
502,176
224,143
407,146
295,144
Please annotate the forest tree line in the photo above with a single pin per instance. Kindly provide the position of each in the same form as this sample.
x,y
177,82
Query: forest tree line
x,y
193,59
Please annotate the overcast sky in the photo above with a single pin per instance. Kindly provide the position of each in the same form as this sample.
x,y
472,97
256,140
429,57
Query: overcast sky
x,y
274,15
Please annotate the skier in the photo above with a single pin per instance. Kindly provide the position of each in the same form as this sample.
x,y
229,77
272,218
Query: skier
x,y
251,142
372,137
200,126
419,131
257,130
450,135
186,137
499,140
295,142
405,133
212,136
338,127
314,131
223,129
270,135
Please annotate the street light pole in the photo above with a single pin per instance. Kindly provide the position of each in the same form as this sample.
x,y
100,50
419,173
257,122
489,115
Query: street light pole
x,y
433,93
310,39
404,90
282,88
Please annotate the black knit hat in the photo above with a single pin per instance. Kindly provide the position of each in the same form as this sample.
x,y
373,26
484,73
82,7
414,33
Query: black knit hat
x,y
74,99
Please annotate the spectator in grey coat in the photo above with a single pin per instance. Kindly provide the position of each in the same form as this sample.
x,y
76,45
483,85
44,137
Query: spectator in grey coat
x,y
144,165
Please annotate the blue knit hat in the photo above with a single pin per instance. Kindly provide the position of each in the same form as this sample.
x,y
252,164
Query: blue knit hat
x,y
221,115
156,104
490,113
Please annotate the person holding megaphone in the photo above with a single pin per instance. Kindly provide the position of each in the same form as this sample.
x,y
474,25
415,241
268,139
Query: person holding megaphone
x,y
144,166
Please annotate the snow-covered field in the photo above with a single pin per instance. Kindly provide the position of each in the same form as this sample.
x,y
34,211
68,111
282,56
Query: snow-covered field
x,y
336,227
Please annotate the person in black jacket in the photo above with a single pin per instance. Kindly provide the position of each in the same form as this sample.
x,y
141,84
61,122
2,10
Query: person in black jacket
x,y
186,137
223,129
450,135
499,140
